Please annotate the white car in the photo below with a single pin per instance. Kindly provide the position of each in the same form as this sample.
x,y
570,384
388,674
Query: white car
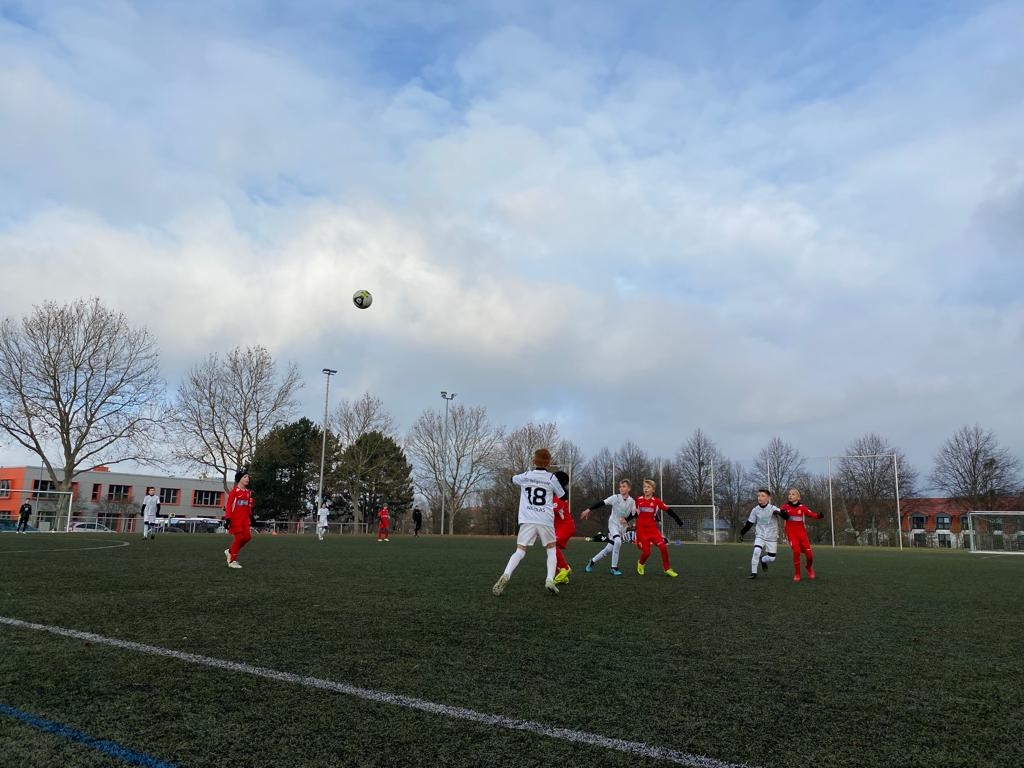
x,y
89,528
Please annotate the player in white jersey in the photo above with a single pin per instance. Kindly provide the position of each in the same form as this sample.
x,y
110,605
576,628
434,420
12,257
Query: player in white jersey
x,y
321,520
766,534
150,508
623,508
536,518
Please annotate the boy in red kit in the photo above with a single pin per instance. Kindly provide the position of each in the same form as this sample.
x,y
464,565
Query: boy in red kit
x,y
647,530
384,524
565,527
238,517
794,512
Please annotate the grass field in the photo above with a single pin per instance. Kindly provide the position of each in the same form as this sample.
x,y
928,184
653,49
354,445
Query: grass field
x,y
888,659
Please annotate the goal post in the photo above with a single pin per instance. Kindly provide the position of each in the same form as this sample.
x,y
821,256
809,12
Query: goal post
x,y
51,510
997,533
700,523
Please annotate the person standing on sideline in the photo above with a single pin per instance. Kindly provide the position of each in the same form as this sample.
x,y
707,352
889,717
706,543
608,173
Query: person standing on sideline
x,y
536,518
24,513
150,509
623,507
794,512
417,521
384,524
238,516
321,520
766,534
647,531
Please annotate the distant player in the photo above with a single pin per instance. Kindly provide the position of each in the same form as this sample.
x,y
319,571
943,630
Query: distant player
x,y
384,524
150,509
417,521
766,534
238,517
539,489
565,528
321,520
648,531
623,507
794,512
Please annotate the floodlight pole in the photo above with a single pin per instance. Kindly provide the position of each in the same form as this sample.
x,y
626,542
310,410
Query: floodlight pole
x,y
328,372
444,455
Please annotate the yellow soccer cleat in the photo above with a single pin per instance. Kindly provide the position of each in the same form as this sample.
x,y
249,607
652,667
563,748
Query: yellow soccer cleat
x,y
671,573
562,577
640,568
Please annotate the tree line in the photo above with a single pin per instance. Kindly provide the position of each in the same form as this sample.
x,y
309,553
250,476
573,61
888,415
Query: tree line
x,y
80,386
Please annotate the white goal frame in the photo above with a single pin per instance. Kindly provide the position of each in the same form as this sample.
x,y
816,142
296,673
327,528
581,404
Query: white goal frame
x,y
61,508
974,534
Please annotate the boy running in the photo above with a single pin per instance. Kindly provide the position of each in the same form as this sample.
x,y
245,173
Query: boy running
x,y
384,524
150,509
623,507
536,518
238,516
321,520
648,531
794,512
766,534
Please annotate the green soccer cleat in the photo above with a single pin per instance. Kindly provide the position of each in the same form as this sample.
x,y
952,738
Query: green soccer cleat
x,y
671,574
562,577
640,568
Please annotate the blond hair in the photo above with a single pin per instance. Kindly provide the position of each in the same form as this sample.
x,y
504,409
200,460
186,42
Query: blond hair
x,y
654,485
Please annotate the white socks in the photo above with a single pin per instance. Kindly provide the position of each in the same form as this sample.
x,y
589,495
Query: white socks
x,y
514,561
552,561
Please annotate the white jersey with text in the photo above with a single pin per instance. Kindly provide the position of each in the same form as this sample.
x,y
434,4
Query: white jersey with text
x,y
766,526
536,501
321,518
150,506
621,508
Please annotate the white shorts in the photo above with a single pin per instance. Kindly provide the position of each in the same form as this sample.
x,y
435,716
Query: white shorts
x,y
530,532
770,545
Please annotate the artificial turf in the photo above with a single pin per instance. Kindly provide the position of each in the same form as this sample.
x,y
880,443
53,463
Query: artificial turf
x,y
889,658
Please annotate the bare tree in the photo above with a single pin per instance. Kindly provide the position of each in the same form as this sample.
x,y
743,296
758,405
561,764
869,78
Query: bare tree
x,y
975,470
225,406
866,480
733,495
778,467
458,468
694,463
512,456
80,387
365,415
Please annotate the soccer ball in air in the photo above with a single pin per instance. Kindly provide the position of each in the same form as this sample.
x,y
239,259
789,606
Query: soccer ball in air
x,y
362,299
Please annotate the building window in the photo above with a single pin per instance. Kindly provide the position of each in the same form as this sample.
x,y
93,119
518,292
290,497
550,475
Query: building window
x,y
170,495
5,489
97,491
42,489
919,540
944,540
207,498
119,493
917,522
942,522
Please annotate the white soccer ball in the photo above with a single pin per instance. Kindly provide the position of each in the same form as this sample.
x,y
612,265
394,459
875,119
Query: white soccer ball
x,y
362,299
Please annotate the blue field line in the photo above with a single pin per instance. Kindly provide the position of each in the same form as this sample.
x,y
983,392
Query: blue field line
x,y
106,747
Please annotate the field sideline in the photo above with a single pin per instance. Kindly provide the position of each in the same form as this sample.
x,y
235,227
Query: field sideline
x,y
888,659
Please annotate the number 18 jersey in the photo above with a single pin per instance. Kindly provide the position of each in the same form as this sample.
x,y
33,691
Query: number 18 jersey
x,y
539,489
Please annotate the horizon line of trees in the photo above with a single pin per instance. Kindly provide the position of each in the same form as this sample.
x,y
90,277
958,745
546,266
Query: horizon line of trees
x,y
80,387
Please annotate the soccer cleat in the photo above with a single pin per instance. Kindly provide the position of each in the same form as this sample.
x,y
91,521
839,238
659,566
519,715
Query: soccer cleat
x,y
590,567
234,564
671,574
562,577
797,577
227,556
810,574
615,572
764,566
387,539
752,576
640,568
549,585
499,585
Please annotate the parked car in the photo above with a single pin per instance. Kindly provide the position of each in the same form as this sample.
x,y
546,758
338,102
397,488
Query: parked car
x,y
90,528
11,526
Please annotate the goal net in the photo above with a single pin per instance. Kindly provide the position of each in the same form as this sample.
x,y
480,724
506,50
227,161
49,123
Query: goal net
x,y
995,532
700,523
51,510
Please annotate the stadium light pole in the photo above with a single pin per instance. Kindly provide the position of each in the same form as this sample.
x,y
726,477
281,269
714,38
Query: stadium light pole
x,y
328,372
444,456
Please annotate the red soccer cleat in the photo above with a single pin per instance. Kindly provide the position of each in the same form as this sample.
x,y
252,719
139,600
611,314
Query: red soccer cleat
x,y
810,573
797,577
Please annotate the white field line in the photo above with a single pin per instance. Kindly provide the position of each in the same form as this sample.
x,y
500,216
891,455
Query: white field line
x,y
380,697
115,545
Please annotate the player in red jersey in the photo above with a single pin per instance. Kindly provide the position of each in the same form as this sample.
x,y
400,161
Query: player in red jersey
x,y
565,528
238,516
794,512
647,530
384,524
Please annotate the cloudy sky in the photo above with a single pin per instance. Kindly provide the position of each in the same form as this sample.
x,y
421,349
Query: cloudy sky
x,y
762,219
